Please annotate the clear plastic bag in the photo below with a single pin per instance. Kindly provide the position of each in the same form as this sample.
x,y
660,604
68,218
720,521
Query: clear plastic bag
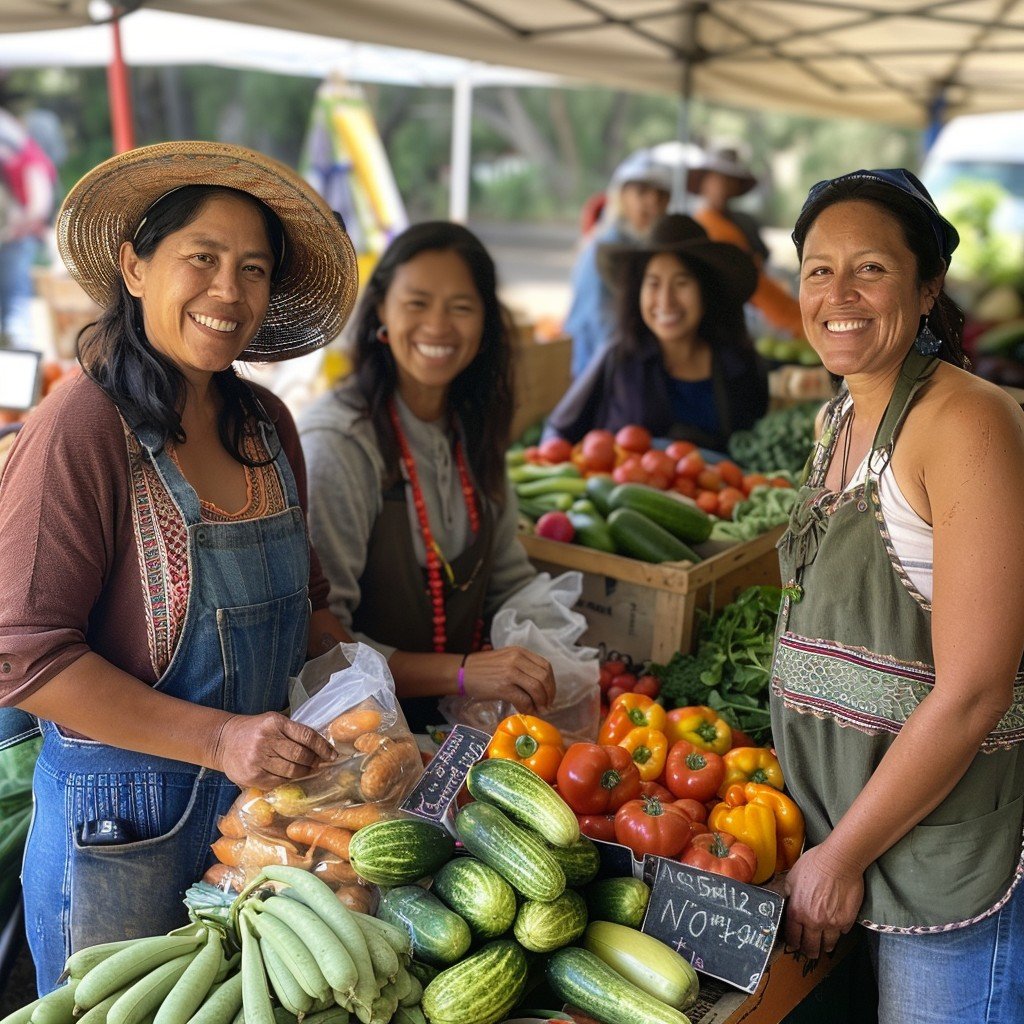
x,y
541,618
348,696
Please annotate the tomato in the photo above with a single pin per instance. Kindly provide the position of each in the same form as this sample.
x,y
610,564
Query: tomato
x,y
677,450
626,680
741,739
728,499
658,463
605,680
649,686
707,501
709,480
656,789
614,692
650,826
595,779
779,481
730,473
630,472
692,808
598,451
555,450
721,854
532,454
616,666
693,773
634,439
555,526
752,480
598,826
685,486
690,465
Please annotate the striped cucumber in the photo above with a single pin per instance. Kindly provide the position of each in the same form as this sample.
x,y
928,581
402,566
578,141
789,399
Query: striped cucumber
x,y
580,862
399,852
620,900
438,935
478,894
480,989
542,927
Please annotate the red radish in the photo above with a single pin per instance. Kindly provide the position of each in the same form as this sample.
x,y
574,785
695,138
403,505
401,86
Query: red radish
x,y
555,526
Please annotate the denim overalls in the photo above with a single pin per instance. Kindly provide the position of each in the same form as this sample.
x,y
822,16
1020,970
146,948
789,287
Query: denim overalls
x,y
244,634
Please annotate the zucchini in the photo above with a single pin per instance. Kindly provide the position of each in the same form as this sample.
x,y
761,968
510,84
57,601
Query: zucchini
x,y
639,537
573,485
592,531
542,927
621,900
580,862
599,491
525,797
478,894
585,980
520,857
682,519
645,961
438,935
400,851
482,989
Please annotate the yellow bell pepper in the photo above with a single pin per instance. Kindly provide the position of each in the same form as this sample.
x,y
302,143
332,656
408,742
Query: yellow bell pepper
x,y
531,741
630,711
701,726
751,764
753,824
648,748
789,822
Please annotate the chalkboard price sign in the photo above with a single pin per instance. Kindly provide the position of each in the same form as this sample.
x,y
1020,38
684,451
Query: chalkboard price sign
x,y
724,928
443,777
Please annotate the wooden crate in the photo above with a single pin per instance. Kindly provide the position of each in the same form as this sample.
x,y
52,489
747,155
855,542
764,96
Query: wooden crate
x,y
648,611
69,307
542,376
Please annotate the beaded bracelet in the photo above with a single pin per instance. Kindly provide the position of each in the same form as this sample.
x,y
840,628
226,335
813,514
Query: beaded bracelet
x,y
462,675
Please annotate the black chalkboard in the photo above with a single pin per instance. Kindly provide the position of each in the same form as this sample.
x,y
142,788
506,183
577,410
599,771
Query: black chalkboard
x,y
616,860
443,777
723,927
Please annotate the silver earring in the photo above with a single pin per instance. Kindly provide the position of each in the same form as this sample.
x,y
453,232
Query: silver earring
x,y
382,335
926,342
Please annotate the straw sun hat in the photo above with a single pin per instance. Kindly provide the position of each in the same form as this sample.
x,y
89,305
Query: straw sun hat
x,y
309,302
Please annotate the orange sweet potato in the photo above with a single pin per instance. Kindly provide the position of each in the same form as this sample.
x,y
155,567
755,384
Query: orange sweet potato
x,y
350,724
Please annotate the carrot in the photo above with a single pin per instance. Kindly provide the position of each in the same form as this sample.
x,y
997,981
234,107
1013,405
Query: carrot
x,y
354,817
355,897
231,824
224,877
335,871
350,724
324,837
384,769
228,851
258,852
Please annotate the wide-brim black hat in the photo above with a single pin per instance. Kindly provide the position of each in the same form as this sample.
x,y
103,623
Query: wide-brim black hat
x,y
677,233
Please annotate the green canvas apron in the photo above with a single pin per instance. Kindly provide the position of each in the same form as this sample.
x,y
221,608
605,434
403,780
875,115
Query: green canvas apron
x,y
853,659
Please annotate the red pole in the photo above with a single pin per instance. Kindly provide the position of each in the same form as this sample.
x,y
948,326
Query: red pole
x,y
122,126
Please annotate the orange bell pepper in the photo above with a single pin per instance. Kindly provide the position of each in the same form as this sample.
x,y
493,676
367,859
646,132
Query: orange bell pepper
x,y
648,748
751,764
789,822
530,741
701,726
630,711
750,823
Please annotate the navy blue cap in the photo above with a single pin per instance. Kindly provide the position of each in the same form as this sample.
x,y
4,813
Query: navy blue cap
x,y
909,184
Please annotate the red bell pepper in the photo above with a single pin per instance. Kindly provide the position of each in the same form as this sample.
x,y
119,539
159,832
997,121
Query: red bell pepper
x,y
693,772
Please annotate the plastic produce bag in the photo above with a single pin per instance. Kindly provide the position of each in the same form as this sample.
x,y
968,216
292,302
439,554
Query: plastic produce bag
x,y
348,696
541,618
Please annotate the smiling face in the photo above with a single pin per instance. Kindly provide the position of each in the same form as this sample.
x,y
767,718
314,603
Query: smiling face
x,y
206,287
434,318
670,300
859,293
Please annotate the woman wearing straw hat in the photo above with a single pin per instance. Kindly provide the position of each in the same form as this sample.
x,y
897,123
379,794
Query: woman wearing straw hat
x,y
682,363
157,579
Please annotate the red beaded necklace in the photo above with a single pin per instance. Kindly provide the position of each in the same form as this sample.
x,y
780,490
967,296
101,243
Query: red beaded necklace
x,y
435,558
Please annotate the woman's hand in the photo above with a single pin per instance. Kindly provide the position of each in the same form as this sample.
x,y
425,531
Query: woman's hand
x,y
514,674
266,750
824,896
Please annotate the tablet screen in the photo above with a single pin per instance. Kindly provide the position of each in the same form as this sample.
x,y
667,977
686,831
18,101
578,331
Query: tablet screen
x,y
19,378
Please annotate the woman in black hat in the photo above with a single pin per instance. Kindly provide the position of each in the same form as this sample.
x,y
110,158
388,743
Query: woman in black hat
x,y
682,364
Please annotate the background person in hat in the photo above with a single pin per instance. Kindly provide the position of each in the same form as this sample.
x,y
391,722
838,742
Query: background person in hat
x,y
718,177
898,684
157,579
637,196
682,363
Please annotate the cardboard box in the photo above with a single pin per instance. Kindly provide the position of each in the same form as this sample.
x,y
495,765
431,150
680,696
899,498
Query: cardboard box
x,y
542,376
648,611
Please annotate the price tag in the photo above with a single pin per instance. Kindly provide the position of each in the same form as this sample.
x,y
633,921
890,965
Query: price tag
x,y
444,776
723,927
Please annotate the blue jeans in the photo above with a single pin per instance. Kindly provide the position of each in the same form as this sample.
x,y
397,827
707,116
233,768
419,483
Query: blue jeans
x,y
973,975
16,291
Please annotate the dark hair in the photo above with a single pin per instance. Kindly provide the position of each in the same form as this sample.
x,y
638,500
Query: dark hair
x,y
722,324
946,319
481,395
147,388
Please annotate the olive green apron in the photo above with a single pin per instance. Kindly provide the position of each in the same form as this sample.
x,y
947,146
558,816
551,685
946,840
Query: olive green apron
x,y
394,598
853,660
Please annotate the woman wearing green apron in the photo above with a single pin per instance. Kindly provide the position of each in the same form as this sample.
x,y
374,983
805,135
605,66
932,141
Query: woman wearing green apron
x,y
409,505
898,694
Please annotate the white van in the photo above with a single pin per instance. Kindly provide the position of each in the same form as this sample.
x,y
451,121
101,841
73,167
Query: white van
x,y
981,147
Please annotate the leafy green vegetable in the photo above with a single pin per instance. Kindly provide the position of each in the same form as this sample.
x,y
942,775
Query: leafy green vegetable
x,y
731,667
766,507
782,440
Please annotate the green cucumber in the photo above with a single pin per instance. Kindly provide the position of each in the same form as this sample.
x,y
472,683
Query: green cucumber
x,y
620,900
519,856
552,485
542,927
592,531
681,518
639,537
528,471
400,851
599,491
482,989
583,979
580,862
478,894
438,935
525,797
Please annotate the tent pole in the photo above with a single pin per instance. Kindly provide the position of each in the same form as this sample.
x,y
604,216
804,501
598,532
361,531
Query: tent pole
x,y
680,199
119,94
462,123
